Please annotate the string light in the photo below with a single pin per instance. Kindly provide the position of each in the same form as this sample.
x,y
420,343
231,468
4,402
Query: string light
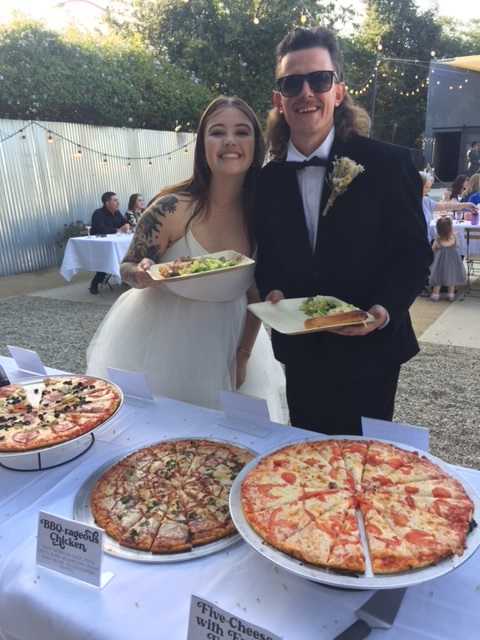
x,y
81,148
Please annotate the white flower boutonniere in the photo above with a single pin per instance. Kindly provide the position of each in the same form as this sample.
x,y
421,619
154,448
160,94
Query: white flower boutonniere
x,y
344,171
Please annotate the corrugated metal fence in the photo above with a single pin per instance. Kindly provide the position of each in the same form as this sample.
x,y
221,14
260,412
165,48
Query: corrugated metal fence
x,y
44,185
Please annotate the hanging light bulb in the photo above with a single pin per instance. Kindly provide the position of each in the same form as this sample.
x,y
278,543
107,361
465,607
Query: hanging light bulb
x,y
105,158
256,20
78,153
303,18
129,164
150,161
50,137
186,149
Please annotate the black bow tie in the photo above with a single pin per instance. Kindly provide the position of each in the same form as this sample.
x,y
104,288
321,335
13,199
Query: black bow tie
x,y
313,162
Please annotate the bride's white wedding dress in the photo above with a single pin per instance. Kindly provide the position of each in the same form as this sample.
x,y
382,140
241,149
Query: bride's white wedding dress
x,y
186,348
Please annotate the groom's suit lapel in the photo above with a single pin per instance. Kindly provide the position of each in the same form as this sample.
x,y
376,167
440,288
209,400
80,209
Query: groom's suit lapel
x,y
336,151
291,203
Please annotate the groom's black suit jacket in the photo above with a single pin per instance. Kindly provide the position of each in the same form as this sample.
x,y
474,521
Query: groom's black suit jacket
x,y
371,249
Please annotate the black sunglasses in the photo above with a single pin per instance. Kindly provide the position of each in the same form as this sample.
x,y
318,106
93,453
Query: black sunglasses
x,y
319,81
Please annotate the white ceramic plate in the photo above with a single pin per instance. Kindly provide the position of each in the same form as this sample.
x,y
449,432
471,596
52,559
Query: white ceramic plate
x,y
337,579
220,285
286,317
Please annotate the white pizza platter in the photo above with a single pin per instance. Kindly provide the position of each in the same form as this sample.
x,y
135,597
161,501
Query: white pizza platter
x,y
285,316
54,455
219,285
349,581
82,512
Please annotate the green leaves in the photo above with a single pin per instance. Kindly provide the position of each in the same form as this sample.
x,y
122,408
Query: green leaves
x,y
109,80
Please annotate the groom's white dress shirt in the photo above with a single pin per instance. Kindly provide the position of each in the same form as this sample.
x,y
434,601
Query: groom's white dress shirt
x,y
310,183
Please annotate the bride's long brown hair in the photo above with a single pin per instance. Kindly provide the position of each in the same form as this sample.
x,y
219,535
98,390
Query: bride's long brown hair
x,y
198,186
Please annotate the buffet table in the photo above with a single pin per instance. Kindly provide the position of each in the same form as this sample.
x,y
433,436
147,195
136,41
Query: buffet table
x,y
151,601
95,253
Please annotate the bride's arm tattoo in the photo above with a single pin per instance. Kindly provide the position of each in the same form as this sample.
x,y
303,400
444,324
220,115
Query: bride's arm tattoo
x,y
146,242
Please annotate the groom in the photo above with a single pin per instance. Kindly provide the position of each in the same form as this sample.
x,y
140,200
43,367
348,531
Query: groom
x,y
369,248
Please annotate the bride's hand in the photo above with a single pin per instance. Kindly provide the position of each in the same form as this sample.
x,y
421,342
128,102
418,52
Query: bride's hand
x,y
137,276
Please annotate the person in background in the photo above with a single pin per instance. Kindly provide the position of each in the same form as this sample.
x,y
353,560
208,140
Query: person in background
x,y
431,206
136,206
473,194
457,188
473,158
447,268
106,220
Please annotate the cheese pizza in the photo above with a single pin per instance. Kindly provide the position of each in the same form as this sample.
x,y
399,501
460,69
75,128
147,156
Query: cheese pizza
x,y
307,500
53,410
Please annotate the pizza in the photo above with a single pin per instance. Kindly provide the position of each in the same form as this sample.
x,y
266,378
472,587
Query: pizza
x,y
169,497
53,410
325,311
308,500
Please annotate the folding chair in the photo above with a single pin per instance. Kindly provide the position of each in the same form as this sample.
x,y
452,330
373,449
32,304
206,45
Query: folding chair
x,y
473,255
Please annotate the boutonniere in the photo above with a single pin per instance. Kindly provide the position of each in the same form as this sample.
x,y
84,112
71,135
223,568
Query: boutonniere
x,y
344,171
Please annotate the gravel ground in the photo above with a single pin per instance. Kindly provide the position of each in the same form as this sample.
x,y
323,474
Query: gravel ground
x,y
437,389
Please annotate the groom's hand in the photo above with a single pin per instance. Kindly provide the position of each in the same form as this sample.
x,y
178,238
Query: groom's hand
x,y
275,296
380,315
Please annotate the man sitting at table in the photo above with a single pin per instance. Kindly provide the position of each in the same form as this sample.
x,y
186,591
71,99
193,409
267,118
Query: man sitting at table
x,y
107,220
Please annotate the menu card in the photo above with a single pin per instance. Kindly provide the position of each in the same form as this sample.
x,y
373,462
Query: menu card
x,y
27,360
417,437
72,548
209,622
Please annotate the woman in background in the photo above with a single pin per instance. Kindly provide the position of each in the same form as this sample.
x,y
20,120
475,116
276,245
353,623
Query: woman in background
x,y
136,206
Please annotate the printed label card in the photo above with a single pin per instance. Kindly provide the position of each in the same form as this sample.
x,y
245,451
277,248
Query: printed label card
x,y
72,548
133,383
417,437
209,622
245,413
27,360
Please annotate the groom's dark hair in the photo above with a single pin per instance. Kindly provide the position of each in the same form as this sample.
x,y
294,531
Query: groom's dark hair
x,y
349,118
299,39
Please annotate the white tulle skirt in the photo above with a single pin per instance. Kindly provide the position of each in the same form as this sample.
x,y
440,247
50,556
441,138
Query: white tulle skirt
x,y
186,348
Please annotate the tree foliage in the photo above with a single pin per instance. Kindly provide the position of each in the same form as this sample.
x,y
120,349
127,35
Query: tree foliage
x,y
164,59
229,45
75,77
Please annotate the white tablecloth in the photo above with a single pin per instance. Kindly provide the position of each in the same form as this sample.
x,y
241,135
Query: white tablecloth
x,y
459,230
92,253
151,602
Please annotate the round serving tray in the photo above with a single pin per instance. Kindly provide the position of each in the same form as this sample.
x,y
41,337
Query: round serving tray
x,y
82,512
345,581
56,454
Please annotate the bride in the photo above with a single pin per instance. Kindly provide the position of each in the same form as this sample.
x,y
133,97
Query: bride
x,y
192,349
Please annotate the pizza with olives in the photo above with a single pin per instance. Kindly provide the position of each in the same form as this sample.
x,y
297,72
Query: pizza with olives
x,y
53,410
